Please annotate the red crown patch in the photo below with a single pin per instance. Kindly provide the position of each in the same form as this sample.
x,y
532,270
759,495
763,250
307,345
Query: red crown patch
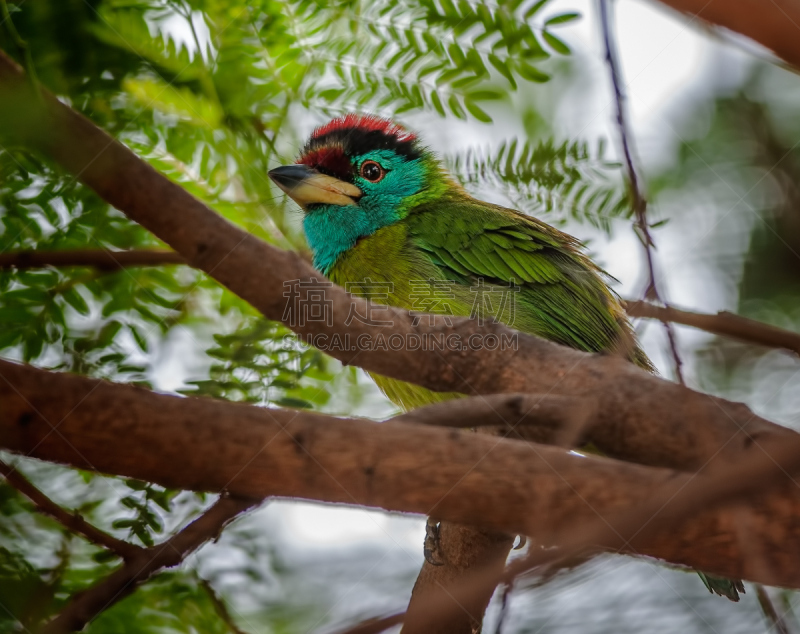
x,y
367,123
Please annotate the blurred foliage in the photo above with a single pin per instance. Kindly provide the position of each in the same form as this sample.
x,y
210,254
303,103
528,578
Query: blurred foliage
x,y
566,179
734,181
263,363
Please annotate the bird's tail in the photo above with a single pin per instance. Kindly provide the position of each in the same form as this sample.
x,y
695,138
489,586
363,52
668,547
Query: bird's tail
x,y
722,587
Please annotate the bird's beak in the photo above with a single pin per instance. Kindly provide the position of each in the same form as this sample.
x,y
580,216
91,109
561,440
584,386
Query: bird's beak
x,y
307,186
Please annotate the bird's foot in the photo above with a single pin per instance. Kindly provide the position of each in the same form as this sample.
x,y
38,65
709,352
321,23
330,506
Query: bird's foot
x,y
432,545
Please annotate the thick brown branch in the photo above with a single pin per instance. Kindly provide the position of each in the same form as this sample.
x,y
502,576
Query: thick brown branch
x,y
119,584
503,485
97,258
725,324
773,24
544,418
668,505
73,522
641,417
463,550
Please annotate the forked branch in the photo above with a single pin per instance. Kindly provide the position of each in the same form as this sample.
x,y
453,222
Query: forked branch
x,y
87,604
72,521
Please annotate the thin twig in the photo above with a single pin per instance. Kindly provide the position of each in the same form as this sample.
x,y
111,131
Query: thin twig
x,y
97,258
637,198
23,47
73,522
723,323
87,604
221,608
776,621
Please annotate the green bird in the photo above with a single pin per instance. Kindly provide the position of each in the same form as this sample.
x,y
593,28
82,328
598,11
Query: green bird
x,y
381,212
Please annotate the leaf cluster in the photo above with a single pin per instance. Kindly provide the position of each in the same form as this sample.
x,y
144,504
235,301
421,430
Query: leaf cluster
x,y
568,179
445,56
144,500
263,363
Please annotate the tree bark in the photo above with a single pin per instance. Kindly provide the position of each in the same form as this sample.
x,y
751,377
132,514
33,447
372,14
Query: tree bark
x,y
502,485
464,549
103,259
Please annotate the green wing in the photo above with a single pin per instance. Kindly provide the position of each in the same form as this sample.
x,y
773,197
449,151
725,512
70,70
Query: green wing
x,y
562,295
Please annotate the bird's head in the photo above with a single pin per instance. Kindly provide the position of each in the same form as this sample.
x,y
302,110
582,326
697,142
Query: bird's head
x,y
356,175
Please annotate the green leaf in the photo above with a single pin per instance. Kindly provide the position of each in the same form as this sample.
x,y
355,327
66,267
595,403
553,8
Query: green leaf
x,y
562,18
455,107
437,103
534,9
74,299
555,43
139,338
531,73
294,403
477,112
108,332
485,95
104,556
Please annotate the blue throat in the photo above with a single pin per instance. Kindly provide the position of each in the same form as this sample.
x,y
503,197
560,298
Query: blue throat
x,y
331,229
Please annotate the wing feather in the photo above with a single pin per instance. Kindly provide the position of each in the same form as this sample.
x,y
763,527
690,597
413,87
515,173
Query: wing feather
x,y
563,295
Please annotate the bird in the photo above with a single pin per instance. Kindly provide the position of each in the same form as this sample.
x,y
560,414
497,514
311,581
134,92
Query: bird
x,y
380,211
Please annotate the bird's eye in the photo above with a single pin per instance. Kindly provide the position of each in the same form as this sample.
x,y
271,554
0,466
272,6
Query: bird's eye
x,y
372,172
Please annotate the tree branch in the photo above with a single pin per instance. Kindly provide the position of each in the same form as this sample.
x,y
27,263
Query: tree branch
x,y
102,259
463,549
87,604
556,420
638,201
544,418
73,522
221,608
724,323
668,506
775,621
473,479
